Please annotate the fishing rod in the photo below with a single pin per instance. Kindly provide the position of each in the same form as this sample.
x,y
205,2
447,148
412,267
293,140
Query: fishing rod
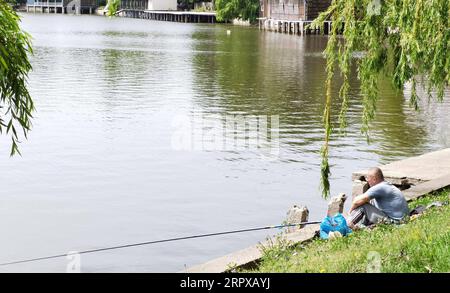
x,y
155,242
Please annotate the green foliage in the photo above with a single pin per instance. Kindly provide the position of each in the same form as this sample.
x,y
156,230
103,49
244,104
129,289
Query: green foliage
x,y
16,105
276,250
403,39
243,9
113,7
418,246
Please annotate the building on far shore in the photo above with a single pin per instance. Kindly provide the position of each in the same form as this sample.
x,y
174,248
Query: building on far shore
x,y
62,6
162,5
89,6
292,10
154,5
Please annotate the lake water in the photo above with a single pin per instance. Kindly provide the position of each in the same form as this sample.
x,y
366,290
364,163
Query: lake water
x,y
100,167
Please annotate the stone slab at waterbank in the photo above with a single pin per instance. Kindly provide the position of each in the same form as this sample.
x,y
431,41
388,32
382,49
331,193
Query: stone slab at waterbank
x,y
408,174
418,176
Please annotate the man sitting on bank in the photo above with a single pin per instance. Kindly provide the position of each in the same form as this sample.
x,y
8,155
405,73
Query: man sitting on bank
x,y
382,202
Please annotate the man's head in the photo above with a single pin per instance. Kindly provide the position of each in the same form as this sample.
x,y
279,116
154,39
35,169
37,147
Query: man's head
x,y
374,176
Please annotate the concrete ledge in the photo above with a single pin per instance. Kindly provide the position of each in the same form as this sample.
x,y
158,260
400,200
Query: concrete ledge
x,y
416,170
251,254
427,187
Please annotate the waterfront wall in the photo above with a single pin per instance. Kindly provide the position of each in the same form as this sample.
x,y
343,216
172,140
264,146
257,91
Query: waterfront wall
x,y
238,21
294,27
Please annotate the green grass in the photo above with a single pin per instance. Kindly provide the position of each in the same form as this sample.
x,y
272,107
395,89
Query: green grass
x,y
421,245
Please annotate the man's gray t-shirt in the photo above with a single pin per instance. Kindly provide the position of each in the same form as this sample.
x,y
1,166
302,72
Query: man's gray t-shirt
x,y
389,199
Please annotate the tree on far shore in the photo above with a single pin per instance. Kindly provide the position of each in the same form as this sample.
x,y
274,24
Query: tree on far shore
x,y
243,9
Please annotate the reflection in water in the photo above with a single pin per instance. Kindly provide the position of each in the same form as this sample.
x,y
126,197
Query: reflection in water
x,y
99,166
267,74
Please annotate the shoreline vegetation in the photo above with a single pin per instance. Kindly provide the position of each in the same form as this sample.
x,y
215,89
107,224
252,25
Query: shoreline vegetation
x,y
421,245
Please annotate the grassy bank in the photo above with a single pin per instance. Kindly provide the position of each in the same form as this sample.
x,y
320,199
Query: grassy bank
x,y
422,245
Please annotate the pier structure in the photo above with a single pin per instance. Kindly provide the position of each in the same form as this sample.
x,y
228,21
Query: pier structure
x,y
173,16
162,10
295,27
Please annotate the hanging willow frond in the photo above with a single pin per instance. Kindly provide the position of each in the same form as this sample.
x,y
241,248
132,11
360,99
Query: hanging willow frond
x,y
16,105
406,39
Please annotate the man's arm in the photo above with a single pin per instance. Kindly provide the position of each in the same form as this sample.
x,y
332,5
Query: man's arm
x,y
359,201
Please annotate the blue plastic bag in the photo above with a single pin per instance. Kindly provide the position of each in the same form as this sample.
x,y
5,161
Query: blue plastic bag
x,y
332,224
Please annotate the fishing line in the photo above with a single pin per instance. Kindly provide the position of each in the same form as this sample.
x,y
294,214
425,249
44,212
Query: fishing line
x,y
154,242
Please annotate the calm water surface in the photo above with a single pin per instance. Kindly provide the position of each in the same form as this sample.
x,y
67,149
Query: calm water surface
x,y
99,168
